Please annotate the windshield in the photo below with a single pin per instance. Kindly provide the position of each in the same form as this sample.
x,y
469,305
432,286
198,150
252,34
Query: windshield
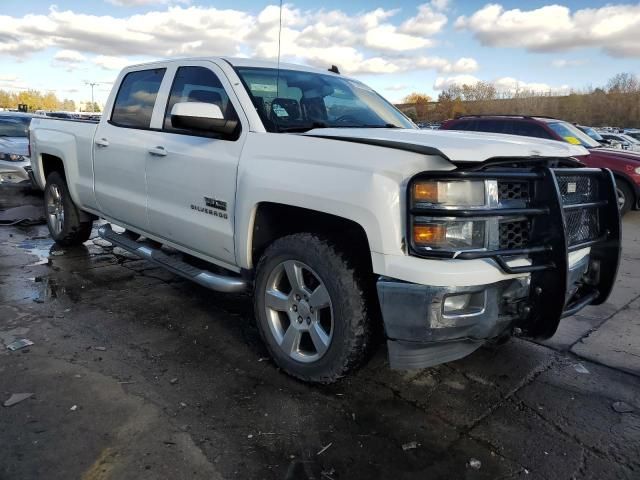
x,y
291,100
592,133
14,127
635,135
628,138
573,134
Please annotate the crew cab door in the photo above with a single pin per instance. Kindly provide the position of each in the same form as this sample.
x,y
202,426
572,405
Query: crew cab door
x,y
120,148
191,175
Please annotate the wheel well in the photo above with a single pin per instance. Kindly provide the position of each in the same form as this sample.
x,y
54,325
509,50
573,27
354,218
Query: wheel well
x,y
275,220
51,163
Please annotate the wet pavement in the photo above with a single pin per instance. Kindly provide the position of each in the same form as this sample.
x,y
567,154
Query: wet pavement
x,y
137,374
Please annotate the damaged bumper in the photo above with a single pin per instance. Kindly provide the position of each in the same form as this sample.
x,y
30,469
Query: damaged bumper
x,y
568,261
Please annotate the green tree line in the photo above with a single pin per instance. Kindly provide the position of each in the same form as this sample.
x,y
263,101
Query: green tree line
x,y
615,104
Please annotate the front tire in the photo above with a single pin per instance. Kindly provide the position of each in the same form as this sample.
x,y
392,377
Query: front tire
x,y
625,196
312,309
63,217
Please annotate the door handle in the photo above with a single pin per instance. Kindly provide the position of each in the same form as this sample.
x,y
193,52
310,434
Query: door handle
x,y
102,142
158,151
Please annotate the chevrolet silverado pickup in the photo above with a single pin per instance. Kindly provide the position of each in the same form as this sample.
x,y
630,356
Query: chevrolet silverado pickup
x,y
345,221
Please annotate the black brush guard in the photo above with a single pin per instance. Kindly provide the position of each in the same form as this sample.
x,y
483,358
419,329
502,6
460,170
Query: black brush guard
x,y
551,208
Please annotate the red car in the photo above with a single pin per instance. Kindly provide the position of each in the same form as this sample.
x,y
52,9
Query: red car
x,y
624,164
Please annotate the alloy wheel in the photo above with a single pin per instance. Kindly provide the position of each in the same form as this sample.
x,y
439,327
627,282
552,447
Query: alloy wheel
x,y
299,311
55,209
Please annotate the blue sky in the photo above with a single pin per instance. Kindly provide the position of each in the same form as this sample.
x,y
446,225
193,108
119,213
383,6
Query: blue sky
x,y
396,47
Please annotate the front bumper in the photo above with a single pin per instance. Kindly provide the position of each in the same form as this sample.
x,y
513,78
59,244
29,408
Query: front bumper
x,y
14,172
555,275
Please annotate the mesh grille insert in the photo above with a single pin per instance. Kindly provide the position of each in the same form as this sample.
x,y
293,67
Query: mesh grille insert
x,y
513,190
578,189
582,225
514,234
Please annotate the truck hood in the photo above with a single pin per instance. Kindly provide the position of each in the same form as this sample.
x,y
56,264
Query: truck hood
x,y
615,154
455,146
14,145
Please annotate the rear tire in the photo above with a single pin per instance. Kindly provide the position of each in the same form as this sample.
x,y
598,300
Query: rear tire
x,y
625,196
63,217
312,308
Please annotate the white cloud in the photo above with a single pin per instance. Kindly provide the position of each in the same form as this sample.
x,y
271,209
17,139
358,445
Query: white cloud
x,y
512,85
108,62
428,21
563,62
398,87
141,3
69,56
502,84
613,28
443,83
367,42
440,5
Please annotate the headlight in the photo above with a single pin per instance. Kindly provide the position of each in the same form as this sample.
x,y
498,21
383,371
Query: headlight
x,y
453,234
459,193
637,170
12,157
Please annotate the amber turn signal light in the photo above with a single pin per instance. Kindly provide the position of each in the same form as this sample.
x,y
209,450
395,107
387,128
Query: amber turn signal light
x,y
425,192
431,234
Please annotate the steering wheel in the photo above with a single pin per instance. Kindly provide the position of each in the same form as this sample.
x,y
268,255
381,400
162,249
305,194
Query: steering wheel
x,y
347,118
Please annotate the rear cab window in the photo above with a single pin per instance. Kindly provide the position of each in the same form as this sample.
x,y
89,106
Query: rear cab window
x,y
136,98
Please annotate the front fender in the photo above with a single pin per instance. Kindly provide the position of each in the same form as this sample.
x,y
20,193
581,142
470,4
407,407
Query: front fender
x,y
361,183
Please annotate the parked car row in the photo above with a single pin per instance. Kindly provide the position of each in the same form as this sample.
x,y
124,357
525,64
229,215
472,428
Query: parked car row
x,y
15,165
625,164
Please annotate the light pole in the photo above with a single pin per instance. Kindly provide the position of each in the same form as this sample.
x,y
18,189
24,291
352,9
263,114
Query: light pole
x,y
92,84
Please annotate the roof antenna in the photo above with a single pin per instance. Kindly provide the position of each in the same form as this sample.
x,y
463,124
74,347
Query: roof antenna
x,y
334,69
279,40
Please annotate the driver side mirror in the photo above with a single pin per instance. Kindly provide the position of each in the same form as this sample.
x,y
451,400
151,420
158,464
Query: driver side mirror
x,y
205,117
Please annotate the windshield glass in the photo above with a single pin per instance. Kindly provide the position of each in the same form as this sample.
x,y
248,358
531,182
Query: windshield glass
x,y
635,135
14,127
592,133
573,134
297,101
628,138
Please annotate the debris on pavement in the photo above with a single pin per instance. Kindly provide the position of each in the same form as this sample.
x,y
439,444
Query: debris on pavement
x,y
173,381
18,344
101,349
324,449
24,214
580,368
475,463
17,398
409,446
74,408
622,407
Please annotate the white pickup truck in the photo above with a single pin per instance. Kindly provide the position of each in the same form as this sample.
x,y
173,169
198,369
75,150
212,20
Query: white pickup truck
x,y
344,219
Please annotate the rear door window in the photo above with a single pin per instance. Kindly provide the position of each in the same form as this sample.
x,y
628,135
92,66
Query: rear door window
x,y
491,126
463,125
527,129
136,98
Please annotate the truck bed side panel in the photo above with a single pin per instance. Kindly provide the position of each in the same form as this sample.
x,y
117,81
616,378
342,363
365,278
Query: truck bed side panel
x,y
72,142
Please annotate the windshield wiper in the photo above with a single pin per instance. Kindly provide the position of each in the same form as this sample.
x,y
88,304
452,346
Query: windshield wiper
x,y
303,128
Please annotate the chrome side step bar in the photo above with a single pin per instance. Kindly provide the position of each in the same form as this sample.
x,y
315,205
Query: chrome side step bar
x,y
212,281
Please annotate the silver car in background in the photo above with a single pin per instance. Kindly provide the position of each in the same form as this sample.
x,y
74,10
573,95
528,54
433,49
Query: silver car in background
x,y
15,164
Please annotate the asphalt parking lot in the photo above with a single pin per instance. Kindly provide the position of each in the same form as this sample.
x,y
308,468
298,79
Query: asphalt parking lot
x,y
137,374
